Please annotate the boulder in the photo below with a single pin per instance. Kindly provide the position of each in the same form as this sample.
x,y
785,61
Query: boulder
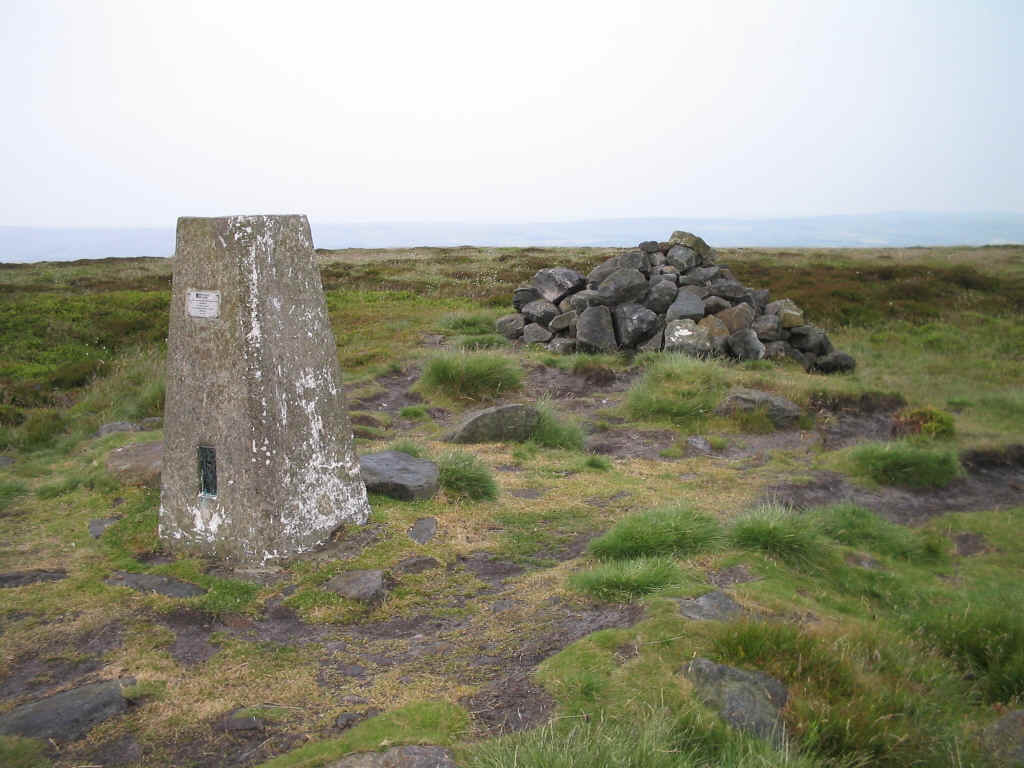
x,y
561,345
761,296
731,290
682,258
398,757
583,299
137,464
687,337
622,286
564,322
686,306
790,315
594,330
737,318
535,333
835,362
690,240
515,422
718,333
510,326
700,276
768,328
540,311
601,271
151,582
523,295
67,716
649,246
635,259
557,282
423,530
661,295
715,304
366,586
653,344
747,700
810,338
782,412
776,350
633,323
399,475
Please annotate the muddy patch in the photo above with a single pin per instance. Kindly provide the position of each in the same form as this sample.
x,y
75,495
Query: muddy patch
x,y
993,480
760,447
632,443
399,628
526,493
488,568
279,624
602,502
191,636
969,544
513,703
726,577
63,663
849,419
394,393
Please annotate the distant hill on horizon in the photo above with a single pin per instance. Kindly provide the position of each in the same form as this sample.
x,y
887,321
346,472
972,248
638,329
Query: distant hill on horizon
x,y
28,244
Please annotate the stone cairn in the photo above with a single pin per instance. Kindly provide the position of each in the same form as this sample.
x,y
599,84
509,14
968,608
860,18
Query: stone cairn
x,y
672,297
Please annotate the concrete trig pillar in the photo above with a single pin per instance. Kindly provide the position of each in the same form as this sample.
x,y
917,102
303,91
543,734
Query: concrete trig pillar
x,y
259,461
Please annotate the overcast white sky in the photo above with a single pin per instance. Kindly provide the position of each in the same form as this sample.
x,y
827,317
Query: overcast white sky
x,y
133,113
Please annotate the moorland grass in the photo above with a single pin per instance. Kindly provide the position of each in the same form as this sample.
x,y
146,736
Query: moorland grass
x,y
470,324
10,491
905,464
414,413
409,447
471,376
554,431
463,474
858,527
675,530
482,341
678,389
926,422
779,533
599,463
625,580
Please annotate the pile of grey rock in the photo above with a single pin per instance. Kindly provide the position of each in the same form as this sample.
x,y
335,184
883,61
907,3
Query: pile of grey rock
x,y
665,296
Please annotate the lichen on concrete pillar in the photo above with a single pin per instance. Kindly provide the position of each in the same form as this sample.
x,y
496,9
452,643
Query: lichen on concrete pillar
x,y
259,462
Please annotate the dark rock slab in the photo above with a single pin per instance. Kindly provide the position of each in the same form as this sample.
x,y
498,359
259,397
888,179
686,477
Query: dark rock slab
x,y
66,716
768,328
687,337
423,530
98,526
594,330
737,318
535,333
510,326
661,295
523,295
747,700
686,306
540,311
366,586
633,323
745,345
622,286
810,339
782,412
399,475
32,576
682,258
713,606
564,322
416,564
515,422
149,582
137,464
398,757
835,362
562,346
555,283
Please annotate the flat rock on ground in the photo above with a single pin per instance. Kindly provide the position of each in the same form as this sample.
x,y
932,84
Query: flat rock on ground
x,y
1005,739
364,586
137,464
515,422
32,576
423,530
149,582
399,475
66,716
98,526
749,701
713,606
782,412
398,757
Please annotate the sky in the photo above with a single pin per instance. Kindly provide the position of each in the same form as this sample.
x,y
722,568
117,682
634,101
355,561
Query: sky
x,y
134,113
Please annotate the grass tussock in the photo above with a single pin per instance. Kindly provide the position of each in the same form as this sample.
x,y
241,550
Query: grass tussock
x,y
624,580
777,532
904,464
554,431
471,376
409,447
858,527
463,474
678,531
678,389
470,324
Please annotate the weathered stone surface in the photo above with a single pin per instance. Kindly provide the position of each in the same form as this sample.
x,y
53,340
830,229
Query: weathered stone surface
x,y
423,530
622,286
557,282
399,475
760,296
253,379
151,422
737,318
682,258
835,362
366,586
768,328
634,259
150,582
99,526
744,345
731,290
661,294
717,333
690,240
6,461
398,757
117,426
653,344
540,311
138,464
583,299
514,422
685,336
686,306
535,333
564,322
790,315
416,564
649,246
594,330
562,345
510,326
1004,739
782,412
523,295
809,338
715,304
713,606
13,579
601,271
700,276
66,716
747,700
776,350
633,323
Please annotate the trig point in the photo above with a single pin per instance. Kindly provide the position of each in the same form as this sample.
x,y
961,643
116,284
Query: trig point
x,y
258,459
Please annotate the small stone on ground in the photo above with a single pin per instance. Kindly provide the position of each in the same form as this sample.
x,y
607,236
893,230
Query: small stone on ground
x,y
149,582
747,700
713,606
398,757
399,475
364,586
423,530
98,526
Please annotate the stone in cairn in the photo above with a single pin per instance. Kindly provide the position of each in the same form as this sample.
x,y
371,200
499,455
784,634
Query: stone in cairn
x,y
671,295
